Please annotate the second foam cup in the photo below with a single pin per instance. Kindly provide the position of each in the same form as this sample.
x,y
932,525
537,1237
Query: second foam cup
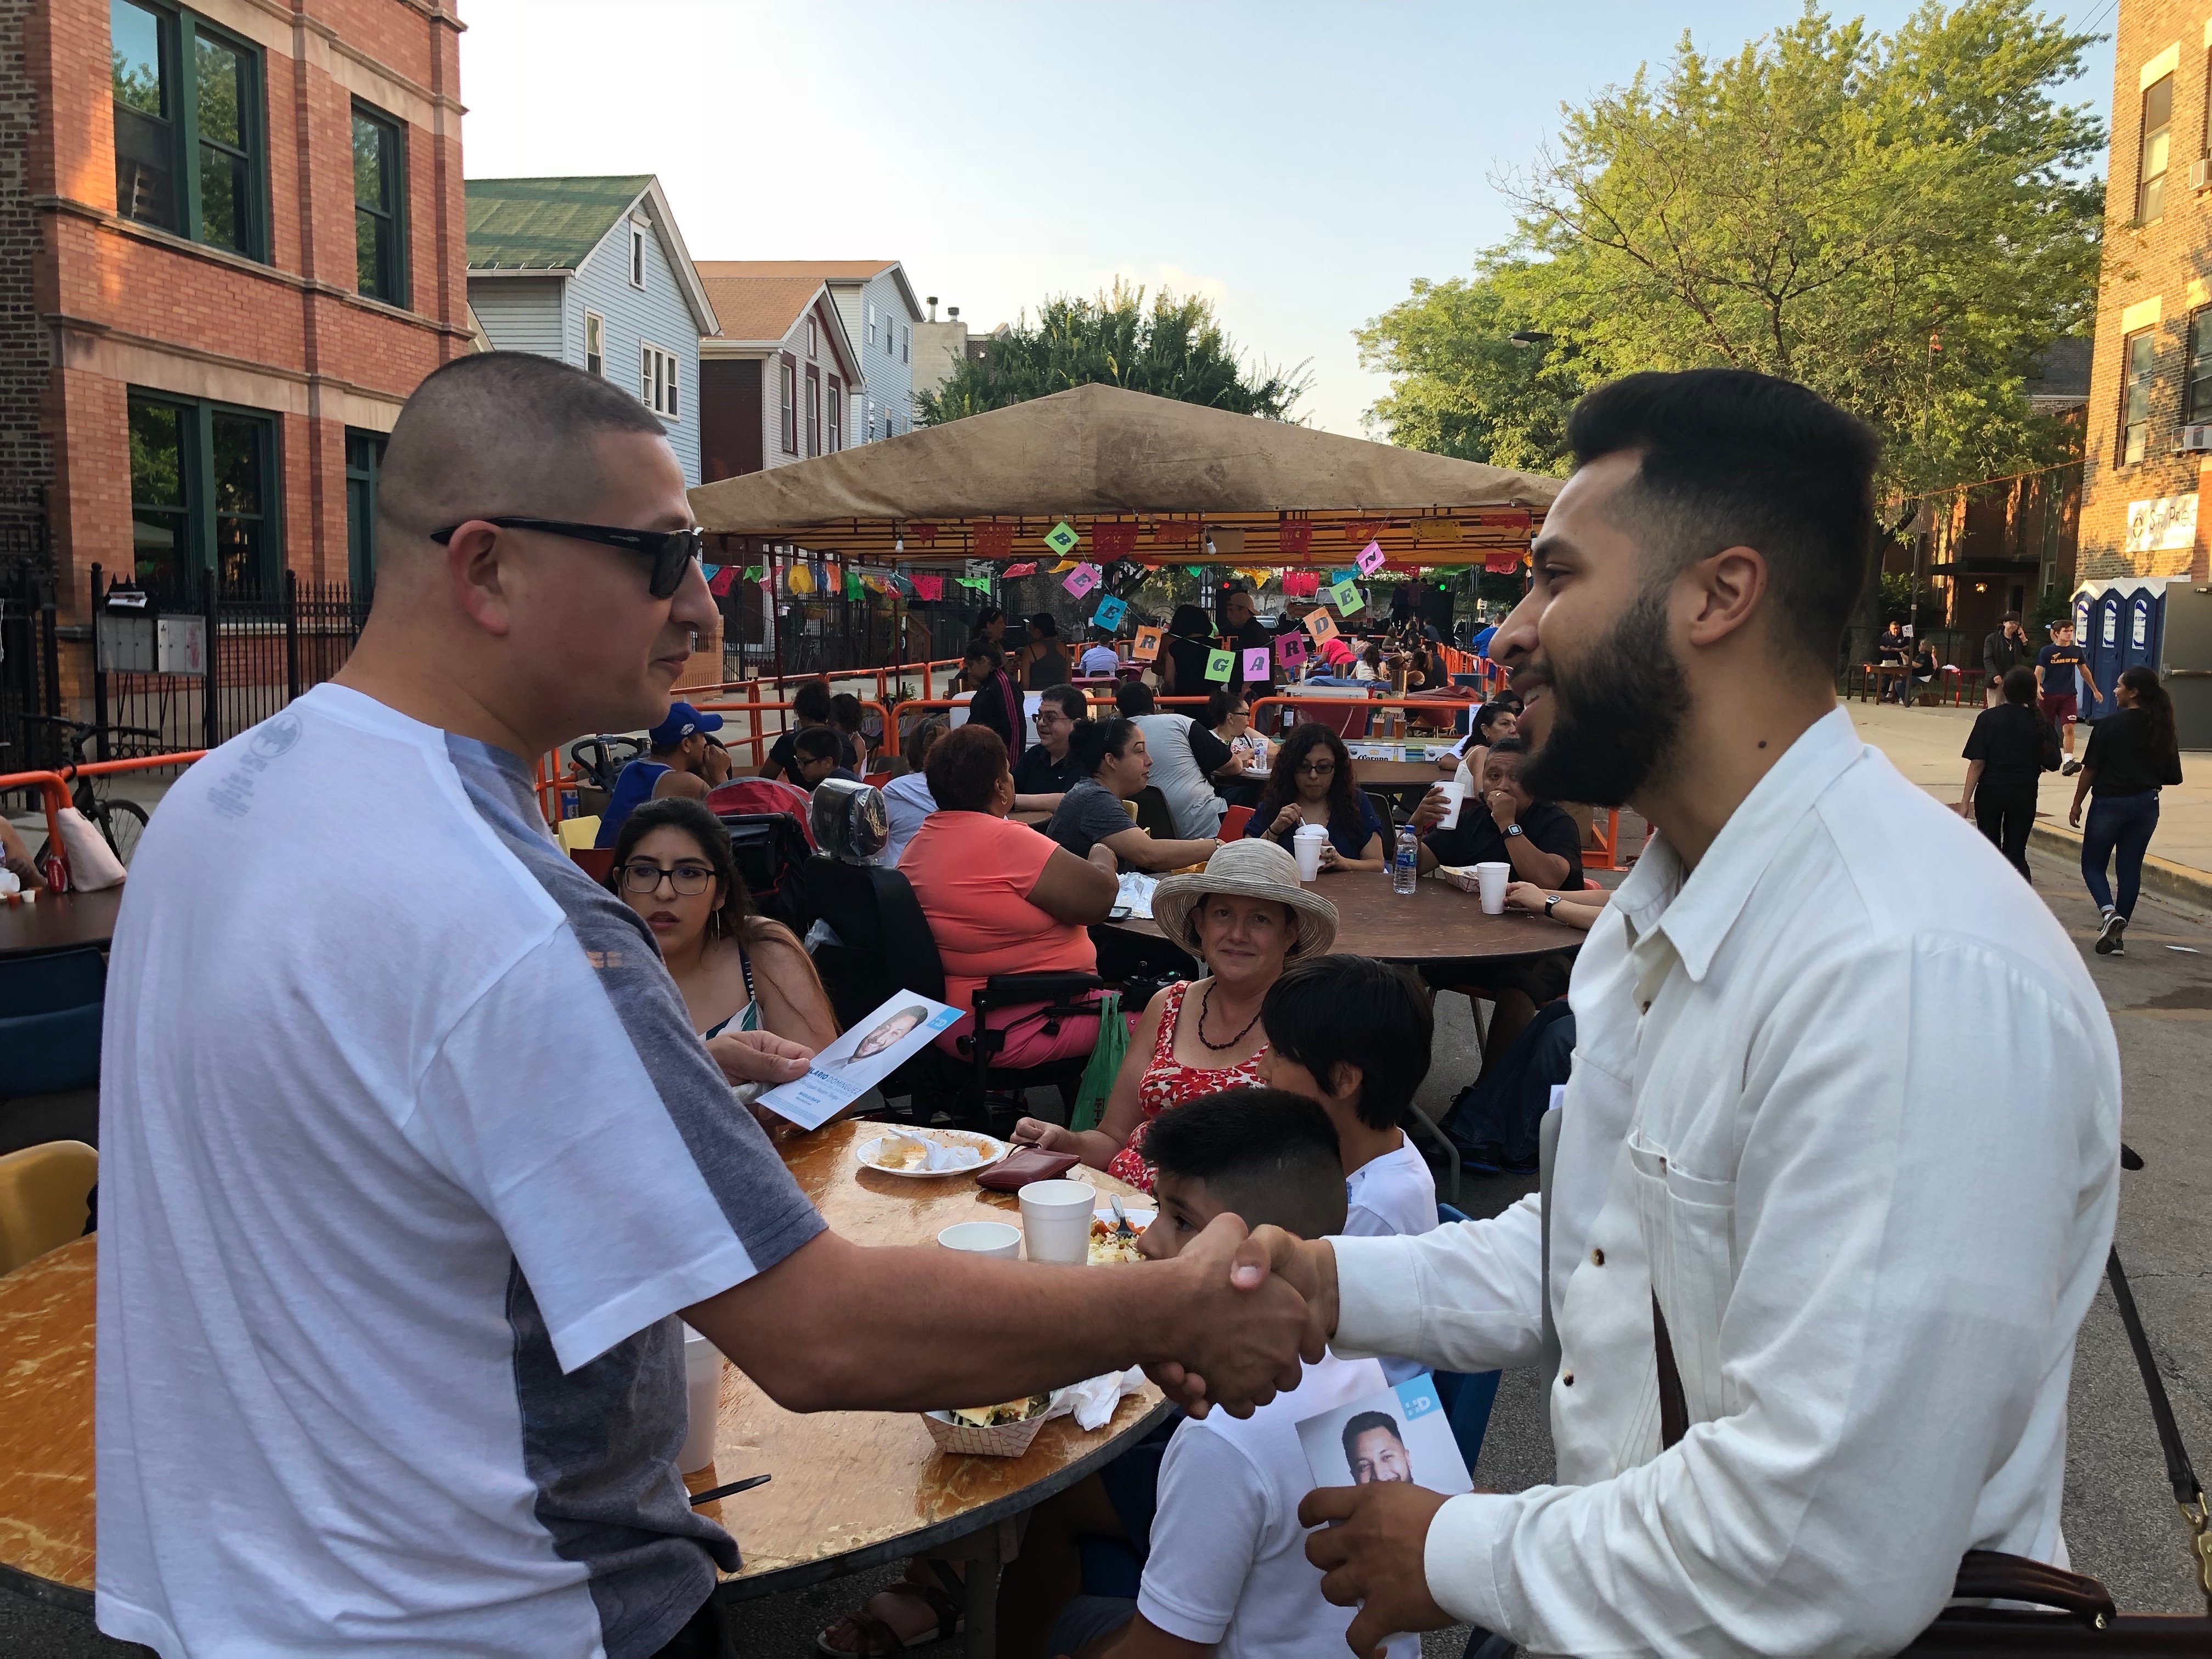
x,y
1306,843
1056,1220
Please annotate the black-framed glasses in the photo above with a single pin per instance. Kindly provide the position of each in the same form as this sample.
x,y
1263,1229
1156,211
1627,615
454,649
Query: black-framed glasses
x,y
670,550
1317,768
643,875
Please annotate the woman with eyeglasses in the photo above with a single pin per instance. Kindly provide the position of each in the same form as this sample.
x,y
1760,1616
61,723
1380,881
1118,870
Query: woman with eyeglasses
x,y
1312,783
736,969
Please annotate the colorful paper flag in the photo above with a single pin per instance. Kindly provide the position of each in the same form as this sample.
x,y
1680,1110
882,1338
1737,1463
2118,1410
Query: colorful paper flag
x,y
1371,558
1291,650
1292,537
929,588
719,582
924,533
752,572
1110,613
1061,539
994,540
1081,579
1114,541
1321,625
1347,597
1357,531
1027,568
1301,584
800,581
1219,664
1147,646
1255,665
1177,532
981,584
1502,561
1195,569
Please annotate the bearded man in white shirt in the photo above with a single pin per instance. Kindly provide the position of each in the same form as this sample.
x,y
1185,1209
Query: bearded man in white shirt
x,y
1842,1140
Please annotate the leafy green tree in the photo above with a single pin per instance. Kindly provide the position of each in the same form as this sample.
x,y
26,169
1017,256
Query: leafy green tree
x,y
1903,222
1176,350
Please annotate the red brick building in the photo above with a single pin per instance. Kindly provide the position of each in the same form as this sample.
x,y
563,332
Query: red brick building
x,y
239,226
2152,375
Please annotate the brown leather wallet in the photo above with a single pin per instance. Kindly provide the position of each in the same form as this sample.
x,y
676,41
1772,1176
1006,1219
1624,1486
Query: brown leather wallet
x,y
1024,1164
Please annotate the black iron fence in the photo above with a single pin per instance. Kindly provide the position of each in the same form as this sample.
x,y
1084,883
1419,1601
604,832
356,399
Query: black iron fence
x,y
30,671
186,663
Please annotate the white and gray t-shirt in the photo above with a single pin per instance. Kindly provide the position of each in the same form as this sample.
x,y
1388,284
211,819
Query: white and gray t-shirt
x,y
409,1157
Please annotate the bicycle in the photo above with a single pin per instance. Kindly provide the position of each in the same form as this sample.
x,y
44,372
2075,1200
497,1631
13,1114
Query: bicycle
x,y
120,822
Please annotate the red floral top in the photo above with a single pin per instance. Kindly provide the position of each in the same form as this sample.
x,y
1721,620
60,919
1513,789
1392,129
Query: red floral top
x,y
1168,1081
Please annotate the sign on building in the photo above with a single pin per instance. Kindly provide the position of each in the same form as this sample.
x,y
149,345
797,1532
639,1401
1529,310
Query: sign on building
x,y
2164,524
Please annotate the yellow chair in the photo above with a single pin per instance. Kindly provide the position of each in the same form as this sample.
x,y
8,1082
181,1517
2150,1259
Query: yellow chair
x,y
43,1193
572,833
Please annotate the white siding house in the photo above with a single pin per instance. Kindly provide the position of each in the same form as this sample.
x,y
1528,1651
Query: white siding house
x,y
781,380
876,303
594,271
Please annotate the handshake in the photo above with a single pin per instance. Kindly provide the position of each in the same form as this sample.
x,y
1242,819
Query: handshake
x,y
1253,1306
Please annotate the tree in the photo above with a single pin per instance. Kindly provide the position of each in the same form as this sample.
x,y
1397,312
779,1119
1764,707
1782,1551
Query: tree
x,y
1902,223
1175,349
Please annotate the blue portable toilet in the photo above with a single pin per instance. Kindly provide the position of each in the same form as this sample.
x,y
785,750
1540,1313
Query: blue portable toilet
x,y
2120,623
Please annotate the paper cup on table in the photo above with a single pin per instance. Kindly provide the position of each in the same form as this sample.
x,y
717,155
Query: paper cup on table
x,y
1306,843
702,1389
983,1238
1490,879
1056,1220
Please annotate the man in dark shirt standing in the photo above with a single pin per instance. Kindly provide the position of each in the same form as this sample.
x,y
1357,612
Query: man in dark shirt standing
x,y
1241,630
2056,689
2001,652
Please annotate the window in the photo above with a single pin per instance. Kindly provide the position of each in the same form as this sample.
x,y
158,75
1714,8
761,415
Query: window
x,y
636,256
656,378
837,420
595,343
871,325
379,196
203,492
813,339
2196,397
790,393
2139,361
364,457
906,345
813,413
188,142
2156,145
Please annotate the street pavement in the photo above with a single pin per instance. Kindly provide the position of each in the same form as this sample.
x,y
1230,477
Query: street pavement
x,y
2119,1521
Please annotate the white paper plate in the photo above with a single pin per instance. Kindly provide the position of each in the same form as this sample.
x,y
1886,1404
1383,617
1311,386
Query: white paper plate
x,y
992,1150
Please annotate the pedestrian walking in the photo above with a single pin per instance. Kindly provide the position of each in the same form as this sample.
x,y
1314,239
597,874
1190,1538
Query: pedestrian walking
x,y
2006,753
2062,668
2131,753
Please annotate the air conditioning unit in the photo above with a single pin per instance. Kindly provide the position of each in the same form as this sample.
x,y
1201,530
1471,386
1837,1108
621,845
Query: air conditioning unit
x,y
2200,173
2195,439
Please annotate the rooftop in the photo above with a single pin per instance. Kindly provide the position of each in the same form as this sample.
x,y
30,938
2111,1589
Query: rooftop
x,y
543,224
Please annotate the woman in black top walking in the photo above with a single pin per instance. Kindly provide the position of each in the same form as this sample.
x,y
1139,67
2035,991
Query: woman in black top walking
x,y
2131,753
2010,750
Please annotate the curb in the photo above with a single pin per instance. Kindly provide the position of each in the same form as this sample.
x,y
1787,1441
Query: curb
x,y
2162,876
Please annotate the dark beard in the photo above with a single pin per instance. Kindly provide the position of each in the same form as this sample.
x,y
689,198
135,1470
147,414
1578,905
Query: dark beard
x,y
1615,719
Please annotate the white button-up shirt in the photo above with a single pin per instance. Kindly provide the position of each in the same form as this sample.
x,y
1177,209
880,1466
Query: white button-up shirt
x,y
1845,1098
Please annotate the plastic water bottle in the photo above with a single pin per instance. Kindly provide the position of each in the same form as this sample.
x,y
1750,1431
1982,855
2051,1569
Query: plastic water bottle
x,y
1405,865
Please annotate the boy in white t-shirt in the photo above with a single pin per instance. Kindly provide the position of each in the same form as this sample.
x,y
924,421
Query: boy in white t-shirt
x,y
1226,1570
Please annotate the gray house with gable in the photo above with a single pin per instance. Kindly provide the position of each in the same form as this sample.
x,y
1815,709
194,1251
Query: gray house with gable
x,y
594,271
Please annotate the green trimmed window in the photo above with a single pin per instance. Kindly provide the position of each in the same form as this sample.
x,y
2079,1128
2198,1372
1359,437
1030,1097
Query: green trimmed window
x,y
203,492
379,198
189,150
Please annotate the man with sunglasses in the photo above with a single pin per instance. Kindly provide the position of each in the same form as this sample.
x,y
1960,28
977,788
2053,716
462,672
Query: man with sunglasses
x,y
411,1156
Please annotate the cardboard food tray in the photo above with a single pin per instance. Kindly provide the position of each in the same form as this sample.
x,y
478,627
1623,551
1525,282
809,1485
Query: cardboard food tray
x,y
1462,876
1000,1440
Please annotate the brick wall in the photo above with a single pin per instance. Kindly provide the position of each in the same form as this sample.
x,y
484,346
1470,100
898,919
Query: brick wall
x,y
2155,277
26,455
117,305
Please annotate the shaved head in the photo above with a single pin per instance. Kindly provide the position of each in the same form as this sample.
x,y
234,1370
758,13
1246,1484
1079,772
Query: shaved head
x,y
497,433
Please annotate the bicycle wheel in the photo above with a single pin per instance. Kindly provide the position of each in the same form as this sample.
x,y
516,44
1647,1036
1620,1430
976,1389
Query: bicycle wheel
x,y
121,823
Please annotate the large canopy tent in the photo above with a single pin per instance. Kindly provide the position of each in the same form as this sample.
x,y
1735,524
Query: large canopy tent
x,y
1138,477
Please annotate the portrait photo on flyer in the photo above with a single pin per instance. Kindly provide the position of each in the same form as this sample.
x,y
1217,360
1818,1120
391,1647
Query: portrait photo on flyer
x,y
1395,1434
864,1056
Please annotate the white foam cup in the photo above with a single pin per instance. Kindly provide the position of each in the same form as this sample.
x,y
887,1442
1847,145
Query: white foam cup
x,y
1490,880
702,1389
1454,798
1056,1220
1306,843
983,1238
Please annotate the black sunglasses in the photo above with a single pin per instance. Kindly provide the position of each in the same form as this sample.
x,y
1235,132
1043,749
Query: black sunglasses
x,y
670,550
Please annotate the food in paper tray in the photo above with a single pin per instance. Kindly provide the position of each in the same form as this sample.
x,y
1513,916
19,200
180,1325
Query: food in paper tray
x,y
1115,1241
990,1417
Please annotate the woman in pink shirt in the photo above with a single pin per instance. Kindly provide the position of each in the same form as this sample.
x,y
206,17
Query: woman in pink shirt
x,y
1000,897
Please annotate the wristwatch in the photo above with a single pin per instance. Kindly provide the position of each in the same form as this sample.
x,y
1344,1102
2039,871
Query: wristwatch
x,y
1513,829
1550,899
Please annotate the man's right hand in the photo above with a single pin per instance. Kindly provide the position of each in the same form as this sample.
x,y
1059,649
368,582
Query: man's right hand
x,y
1431,812
759,1057
1238,1331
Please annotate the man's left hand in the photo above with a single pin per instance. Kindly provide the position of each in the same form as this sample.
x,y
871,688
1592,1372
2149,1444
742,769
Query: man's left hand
x,y
1375,1559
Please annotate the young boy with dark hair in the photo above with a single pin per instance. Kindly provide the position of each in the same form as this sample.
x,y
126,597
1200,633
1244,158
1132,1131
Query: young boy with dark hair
x,y
1353,1034
1225,1569
816,754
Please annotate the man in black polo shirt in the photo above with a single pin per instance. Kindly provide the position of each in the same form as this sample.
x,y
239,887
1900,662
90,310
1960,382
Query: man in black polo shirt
x,y
1505,826
1543,843
1047,769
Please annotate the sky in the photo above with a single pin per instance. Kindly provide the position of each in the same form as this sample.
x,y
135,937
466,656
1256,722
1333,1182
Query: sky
x,y
1298,164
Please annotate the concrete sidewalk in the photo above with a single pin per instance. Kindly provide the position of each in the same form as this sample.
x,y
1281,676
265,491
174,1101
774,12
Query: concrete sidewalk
x,y
1923,744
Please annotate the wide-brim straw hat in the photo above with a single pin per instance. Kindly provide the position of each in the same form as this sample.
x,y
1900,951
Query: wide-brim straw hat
x,y
1249,869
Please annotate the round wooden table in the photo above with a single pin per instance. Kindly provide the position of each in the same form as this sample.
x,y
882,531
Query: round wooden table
x,y
1434,927
59,921
852,1489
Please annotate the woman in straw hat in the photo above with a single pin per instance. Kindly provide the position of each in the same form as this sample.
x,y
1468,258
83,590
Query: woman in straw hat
x,y
1244,916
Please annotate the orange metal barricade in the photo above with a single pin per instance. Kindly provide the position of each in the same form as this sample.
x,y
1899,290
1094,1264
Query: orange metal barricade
x,y
53,786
